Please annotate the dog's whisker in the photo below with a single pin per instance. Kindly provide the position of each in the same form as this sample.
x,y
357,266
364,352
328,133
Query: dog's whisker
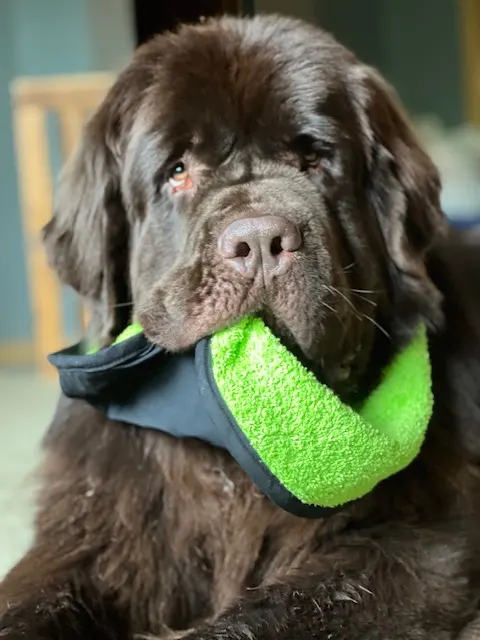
x,y
121,304
328,306
344,297
357,292
379,326
364,290
335,313
365,299
358,313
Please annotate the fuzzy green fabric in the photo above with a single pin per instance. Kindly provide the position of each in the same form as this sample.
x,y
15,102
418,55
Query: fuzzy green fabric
x,y
132,330
324,452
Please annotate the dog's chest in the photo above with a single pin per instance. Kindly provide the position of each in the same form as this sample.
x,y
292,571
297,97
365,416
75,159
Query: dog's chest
x,y
224,538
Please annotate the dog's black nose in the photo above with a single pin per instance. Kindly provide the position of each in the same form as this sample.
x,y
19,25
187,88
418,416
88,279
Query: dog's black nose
x,y
267,243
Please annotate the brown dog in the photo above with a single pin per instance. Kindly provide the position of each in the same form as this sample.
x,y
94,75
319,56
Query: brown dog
x,y
271,121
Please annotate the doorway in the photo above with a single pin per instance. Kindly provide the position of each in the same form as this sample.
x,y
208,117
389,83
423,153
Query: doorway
x,y
152,17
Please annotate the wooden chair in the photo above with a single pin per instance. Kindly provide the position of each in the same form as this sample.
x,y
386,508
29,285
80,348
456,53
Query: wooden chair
x,y
70,99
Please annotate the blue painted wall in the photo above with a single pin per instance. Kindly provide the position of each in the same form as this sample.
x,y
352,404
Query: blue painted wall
x,y
14,310
50,36
45,37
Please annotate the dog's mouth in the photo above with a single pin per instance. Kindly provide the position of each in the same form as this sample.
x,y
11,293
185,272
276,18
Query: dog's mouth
x,y
313,330
191,306
327,369
325,332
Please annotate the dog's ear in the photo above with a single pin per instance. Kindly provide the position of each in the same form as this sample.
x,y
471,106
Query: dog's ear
x,y
87,239
404,193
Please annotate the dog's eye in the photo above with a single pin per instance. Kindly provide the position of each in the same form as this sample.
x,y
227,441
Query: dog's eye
x,y
312,160
179,177
179,173
312,154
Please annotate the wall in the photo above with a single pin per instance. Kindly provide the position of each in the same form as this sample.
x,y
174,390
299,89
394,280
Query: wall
x,y
415,43
357,25
49,36
45,37
422,54
14,312
111,33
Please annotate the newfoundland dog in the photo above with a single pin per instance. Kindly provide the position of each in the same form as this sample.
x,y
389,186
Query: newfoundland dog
x,y
236,167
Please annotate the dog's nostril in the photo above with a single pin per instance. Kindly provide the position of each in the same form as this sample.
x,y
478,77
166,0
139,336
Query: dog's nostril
x,y
263,243
242,250
276,246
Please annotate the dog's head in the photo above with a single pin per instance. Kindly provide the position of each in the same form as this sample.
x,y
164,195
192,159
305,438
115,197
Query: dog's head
x,y
252,167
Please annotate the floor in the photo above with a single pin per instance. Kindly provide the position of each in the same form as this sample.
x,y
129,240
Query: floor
x,y
26,406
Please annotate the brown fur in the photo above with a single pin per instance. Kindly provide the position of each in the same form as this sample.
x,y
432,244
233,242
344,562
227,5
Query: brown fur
x,y
140,534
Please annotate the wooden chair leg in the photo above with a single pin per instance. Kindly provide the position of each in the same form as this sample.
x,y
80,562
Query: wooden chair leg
x,y
36,198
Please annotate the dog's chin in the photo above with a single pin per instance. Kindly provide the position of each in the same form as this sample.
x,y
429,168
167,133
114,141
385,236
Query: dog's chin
x,y
313,341
313,333
174,327
328,371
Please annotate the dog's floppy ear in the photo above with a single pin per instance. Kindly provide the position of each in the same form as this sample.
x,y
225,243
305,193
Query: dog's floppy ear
x,y
404,191
87,238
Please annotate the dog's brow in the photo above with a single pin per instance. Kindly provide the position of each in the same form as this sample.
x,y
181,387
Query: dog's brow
x,y
321,127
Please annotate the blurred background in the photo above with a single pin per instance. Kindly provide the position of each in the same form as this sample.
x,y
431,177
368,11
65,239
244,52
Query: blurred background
x,y
57,59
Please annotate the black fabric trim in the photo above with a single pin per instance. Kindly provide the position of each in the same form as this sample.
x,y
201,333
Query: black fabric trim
x,y
116,355
240,448
136,382
103,375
